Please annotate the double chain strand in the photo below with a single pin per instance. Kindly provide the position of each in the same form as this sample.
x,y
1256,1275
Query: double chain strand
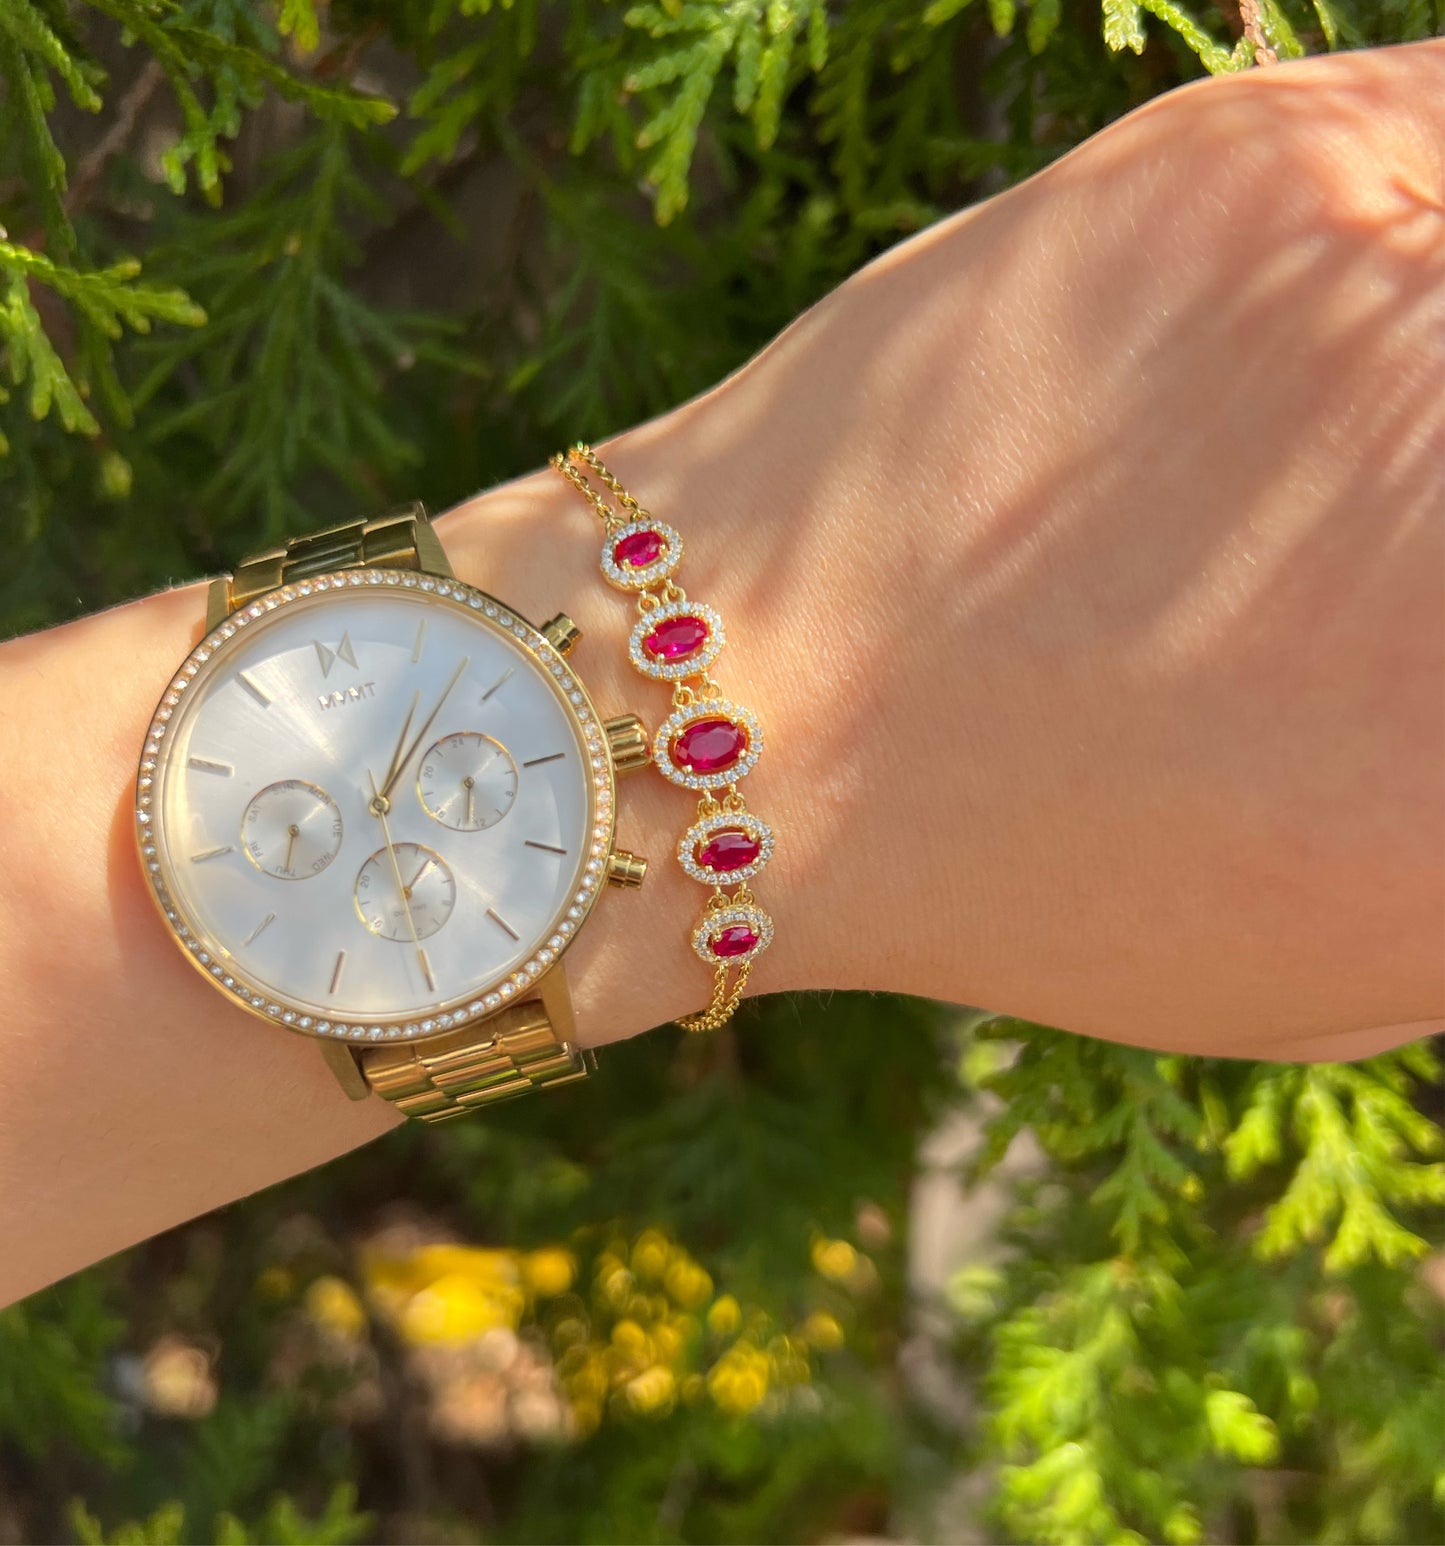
x,y
707,744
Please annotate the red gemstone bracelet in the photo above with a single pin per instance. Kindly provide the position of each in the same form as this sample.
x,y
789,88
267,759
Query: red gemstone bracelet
x,y
706,744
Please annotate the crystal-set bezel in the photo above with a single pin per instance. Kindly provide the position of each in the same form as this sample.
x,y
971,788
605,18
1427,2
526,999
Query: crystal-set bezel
x,y
216,962
700,831
631,579
691,665
706,708
725,917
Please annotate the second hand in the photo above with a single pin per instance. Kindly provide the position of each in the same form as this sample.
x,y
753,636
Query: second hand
x,y
379,808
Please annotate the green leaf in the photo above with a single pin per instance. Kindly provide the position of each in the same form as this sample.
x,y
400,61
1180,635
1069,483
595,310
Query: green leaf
x,y
1237,1428
1124,25
1002,15
1214,57
298,20
31,34
1043,23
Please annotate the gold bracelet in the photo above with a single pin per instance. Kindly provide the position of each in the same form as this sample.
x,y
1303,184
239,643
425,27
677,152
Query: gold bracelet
x,y
707,743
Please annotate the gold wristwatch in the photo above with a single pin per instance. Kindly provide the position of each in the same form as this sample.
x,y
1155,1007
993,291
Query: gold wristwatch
x,y
376,806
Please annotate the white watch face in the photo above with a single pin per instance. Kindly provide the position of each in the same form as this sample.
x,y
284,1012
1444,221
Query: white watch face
x,y
375,805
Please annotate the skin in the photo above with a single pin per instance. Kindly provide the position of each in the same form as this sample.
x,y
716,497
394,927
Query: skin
x,y
1082,557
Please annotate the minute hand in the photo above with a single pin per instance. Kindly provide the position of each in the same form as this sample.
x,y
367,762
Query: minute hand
x,y
421,734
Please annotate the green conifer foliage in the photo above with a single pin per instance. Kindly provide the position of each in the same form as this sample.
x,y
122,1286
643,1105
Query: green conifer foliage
x,y
264,265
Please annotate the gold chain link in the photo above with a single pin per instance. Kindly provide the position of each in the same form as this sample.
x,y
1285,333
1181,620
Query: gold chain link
x,y
729,981
725,1000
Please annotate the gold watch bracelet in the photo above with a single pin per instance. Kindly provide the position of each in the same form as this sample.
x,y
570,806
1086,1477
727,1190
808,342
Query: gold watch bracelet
x,y
706,745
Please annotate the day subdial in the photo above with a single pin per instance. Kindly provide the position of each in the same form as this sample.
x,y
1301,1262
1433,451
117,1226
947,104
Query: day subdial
x,y
467,781
291,830
418,883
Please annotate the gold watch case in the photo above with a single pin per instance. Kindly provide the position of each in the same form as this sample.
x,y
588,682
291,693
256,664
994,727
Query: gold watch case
x,y
538,976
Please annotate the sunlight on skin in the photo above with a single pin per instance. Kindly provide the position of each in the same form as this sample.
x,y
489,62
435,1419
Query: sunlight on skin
x,y
1082,559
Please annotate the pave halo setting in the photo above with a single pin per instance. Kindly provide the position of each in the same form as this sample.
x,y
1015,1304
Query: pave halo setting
x,y
707,744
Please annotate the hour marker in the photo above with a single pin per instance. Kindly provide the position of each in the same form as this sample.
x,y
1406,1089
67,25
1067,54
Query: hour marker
x,y
500,681
420,638
536,762
260,929
501,922
205,765
336,970
431,981
212,853
252,688
547,848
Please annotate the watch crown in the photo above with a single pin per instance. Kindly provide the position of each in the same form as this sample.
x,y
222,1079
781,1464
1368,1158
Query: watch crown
x,y
626,870
627,741
561,633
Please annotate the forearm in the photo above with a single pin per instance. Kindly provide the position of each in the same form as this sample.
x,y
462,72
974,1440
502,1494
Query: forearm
x,y
1100,663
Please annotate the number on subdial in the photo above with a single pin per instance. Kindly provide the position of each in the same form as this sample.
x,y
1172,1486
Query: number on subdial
x,y
427,889
467,781
291,830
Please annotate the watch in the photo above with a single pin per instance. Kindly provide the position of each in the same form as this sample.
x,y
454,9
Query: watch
x,y
376,806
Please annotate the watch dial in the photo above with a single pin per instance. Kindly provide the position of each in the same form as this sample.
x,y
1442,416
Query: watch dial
x,y
375,806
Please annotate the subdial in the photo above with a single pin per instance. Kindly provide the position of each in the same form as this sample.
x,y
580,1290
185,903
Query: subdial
x,y
467,781
427,888
291,830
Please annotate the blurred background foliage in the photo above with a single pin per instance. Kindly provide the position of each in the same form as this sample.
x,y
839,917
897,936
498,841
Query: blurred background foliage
x,y
854,1268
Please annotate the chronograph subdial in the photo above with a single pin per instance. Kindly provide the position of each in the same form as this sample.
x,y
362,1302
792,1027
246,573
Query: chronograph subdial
x,y
428,889
291,830
467,781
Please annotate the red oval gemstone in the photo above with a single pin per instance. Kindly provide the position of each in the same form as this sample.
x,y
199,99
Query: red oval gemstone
x,y
735,940
710,745
728,849
637,549
675,638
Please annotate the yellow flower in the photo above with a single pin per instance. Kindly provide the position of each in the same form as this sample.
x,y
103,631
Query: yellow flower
x,y
667,1341
834,1259
434,1261
632,1342
588,1379
653,1392
650,1256
549,1272
725,1316
614,1281
738,1381
689,1284
823,1331
458,1308
333,1305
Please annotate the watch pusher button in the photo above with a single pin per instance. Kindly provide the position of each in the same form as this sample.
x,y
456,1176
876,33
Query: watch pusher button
x,y
626,870
628,742
561,633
